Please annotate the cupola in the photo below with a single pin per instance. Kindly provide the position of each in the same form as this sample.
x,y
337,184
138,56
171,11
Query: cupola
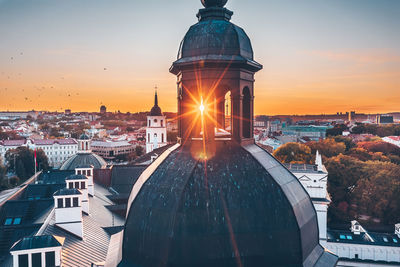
x,y
68,211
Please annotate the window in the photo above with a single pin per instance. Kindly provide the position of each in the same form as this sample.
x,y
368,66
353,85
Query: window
x,y
23,260
385,240
148,138
395,240
50,259
342,237
247,116
8,221
149,123
162,138
162,123
70,185
83,186
75,202
84,172
79,172
60,203
356,256
349,237
155,120
89,173
77,185
37,260
67,202
17,221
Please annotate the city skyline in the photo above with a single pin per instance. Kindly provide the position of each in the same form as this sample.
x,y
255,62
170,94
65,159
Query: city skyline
x,y
318,57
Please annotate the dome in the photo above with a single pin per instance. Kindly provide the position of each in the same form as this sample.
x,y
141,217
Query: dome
x,y
217,38
156,111
241,205
83,137
214,3
214,39
85,159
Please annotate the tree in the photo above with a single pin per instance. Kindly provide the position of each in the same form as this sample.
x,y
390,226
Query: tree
x,y
328,147
172,137
345,140
21,161
380,146
376,194
337,130
3,171
139,150
293,153
344,173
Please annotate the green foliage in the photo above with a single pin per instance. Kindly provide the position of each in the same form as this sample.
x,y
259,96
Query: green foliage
x,y
344,173
172,137
363,177
293,153
328,147
380,130
348,142
139,151
21,161
337,130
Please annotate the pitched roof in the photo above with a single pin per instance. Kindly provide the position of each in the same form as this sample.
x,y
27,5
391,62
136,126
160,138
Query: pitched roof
x,y
35,242
76,177
67,192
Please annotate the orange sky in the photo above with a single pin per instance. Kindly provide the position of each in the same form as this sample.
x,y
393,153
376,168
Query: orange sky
x,y
313,63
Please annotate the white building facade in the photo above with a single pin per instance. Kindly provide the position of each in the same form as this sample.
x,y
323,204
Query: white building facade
x,y
56,150
156,130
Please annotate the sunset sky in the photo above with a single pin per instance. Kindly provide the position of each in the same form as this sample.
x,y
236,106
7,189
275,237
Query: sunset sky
x,y
319,56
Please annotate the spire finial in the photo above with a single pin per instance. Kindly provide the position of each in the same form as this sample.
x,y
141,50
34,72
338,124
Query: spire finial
x,y
155,97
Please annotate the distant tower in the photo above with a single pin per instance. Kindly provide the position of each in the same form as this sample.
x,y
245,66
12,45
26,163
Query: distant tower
x,y
103,109
156,131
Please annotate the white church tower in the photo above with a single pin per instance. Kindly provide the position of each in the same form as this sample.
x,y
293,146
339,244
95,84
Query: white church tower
x,y
156,131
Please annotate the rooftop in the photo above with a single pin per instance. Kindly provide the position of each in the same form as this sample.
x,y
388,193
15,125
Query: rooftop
x,y
379,239
44,241
67,192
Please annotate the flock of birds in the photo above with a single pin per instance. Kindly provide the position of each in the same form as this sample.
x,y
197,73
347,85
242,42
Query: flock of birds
x,y
40,90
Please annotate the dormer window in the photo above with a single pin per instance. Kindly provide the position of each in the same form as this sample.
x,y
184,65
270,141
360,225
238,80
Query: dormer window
x,y
37,251
8,221
67,202
60,203
75,201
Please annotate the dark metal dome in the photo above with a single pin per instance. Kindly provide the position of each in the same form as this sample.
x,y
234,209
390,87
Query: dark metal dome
x,y
242,205
84,137
214,3
156,111
216,38
83,159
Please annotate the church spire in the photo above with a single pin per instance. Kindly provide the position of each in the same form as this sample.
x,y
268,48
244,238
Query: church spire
x,y
156,97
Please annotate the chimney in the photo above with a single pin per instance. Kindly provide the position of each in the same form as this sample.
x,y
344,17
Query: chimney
x,y
80,182
68,210
318,162
88,172
357,229
397,229
41,251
